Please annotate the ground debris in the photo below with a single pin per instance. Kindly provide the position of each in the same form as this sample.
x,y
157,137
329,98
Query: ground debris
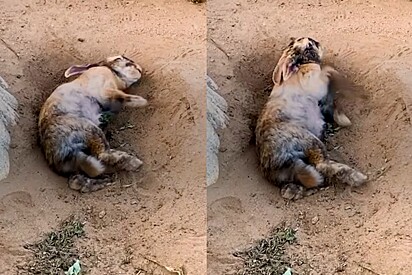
x,y
267,256
330,130
154,267
55,253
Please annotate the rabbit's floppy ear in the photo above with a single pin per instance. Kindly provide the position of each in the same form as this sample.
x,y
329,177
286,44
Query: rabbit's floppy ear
x,y
77,69
283,70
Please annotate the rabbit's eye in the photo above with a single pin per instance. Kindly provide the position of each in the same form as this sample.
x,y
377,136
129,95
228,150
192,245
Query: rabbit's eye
x,y
315,42
129,64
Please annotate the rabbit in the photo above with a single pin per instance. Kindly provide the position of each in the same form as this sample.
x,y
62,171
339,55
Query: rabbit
x,y
332,112
70,132
290,127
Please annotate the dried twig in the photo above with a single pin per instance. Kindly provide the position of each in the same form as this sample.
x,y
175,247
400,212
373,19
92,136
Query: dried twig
x,y
220,48
179,271
10,48
369,269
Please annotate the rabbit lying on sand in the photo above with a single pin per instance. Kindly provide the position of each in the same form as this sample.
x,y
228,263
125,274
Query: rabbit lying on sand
x,y
8,117
73,143
216,119
291,125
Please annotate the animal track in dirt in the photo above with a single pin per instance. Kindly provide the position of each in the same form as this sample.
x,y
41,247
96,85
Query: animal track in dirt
x,y
230,205
16,200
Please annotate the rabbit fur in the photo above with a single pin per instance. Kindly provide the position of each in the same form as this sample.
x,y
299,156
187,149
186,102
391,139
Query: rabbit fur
x,y
290,127
70,122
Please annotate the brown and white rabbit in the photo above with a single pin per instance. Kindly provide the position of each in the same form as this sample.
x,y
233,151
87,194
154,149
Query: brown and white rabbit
x,y
69,124
290,126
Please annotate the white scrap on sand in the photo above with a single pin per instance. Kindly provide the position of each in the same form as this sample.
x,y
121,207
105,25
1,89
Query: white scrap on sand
x,y
75,269
8,118
216,119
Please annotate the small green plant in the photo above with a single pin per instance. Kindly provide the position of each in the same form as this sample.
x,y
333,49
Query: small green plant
x,y
105,118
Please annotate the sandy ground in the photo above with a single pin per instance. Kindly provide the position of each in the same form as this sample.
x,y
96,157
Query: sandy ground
x,y
340,231
162,216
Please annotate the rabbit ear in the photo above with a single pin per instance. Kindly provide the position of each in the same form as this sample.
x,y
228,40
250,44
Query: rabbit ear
x,y
77,69
283,70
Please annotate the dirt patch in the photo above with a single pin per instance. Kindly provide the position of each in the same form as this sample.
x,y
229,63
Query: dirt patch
x,y
355,230
161,215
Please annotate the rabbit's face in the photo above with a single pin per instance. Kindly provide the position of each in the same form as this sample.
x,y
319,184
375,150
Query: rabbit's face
x,y
300,51
125,68
304,50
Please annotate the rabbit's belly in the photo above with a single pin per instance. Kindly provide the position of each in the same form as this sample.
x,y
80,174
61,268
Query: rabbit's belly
x,y
92,112
307,113
76,103
314,121
87,107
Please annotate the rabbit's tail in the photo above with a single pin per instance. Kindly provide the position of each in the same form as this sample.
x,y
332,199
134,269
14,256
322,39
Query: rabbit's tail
x,y
90,165
307,174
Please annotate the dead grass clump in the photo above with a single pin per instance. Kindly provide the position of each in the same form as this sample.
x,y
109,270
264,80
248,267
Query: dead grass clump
x,y
267,256
55,253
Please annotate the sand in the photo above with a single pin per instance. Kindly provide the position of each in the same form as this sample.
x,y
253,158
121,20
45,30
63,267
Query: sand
x,y
162,215
350,231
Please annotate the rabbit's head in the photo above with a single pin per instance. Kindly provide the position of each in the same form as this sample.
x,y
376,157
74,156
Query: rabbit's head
x,y
300,51
126,69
